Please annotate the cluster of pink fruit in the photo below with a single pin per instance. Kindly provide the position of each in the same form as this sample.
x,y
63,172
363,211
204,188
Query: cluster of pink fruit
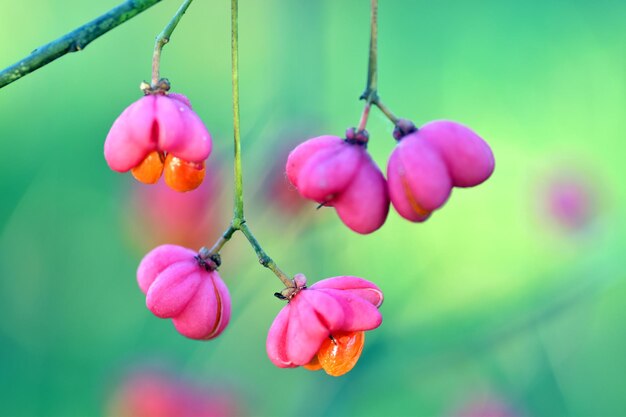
x,y
322,326
421,172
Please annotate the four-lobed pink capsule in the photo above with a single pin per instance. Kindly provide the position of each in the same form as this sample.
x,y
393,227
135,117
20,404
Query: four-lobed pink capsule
x,y
340,174
156,122
319,313
179,287
427,163
160,134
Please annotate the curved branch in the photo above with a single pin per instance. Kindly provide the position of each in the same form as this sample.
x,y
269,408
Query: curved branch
x,y
74,41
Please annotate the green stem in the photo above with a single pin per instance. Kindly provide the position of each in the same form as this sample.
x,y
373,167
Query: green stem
x,y
163,38
264,259
371,89
74,41
217,247
370,95
238,211
239,222
364,116
386,111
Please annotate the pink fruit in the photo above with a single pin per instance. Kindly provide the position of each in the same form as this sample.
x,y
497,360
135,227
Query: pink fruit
x,y
468,157
314,314
428,162
156,124
179,286
341,174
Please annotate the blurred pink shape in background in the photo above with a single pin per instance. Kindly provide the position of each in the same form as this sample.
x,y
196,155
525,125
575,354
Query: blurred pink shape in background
x,y
151,393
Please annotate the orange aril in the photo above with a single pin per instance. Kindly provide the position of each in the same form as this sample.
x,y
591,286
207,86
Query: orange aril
x,y
314,365
182,175
150,169
340,352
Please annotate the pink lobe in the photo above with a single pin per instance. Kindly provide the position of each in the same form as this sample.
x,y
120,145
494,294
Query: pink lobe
x,y
157,260
359,313
225,305
364,205
398,189
355,285
141,120
182,132
276,343
422,173
129,139
201,145
120,153
329,171
469,158
301,154
305,333
170,293
328,309
171,127
208,312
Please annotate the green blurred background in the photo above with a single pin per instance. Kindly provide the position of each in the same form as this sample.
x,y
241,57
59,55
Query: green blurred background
x,y
495,304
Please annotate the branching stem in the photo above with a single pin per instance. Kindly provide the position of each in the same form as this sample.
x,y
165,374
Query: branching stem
x,y
264,259
239,222
386,111
78,39
370,95
371,89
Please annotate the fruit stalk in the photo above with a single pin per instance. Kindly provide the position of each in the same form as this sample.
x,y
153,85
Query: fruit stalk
x,y
370,95
163,38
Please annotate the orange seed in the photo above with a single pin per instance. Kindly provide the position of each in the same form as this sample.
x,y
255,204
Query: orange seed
x,y
150,169
182,175
314,365
340,352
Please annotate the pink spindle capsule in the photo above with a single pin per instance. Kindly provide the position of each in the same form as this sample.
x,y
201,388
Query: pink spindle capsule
x,y
341,174
332,309
150,128
179,286
428,162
